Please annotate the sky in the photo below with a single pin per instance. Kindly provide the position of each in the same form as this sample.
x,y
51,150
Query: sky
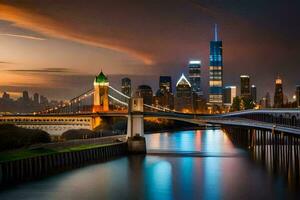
x,y
56,47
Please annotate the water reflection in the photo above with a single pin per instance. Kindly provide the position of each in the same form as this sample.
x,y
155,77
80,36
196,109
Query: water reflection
x,y
164,176
158,179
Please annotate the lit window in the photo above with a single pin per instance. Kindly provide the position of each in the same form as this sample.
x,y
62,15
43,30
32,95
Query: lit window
x,y
215,83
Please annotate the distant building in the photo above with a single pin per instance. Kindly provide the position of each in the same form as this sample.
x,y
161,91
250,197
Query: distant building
x,y
145,92
229,94
265,102
101,102
298,95
216,71
195,76
183,99
5,96
253,92
36,98
199,104
245,86
126,86
164,96
165,84
25,96
165,100
43,100
278,95
268,100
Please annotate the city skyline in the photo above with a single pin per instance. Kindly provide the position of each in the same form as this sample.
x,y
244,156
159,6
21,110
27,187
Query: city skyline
x,y
41,58
149,99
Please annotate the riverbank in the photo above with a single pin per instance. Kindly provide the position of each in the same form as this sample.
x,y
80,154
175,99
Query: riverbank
x,y
46,162
59,147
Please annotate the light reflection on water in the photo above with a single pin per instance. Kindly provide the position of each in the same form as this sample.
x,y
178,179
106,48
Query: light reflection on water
x,y
164,176
212,142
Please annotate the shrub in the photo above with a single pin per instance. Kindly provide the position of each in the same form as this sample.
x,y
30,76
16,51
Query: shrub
x,y
12,137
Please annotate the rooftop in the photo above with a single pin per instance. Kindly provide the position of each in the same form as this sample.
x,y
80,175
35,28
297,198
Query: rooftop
x,y
101,78
183,81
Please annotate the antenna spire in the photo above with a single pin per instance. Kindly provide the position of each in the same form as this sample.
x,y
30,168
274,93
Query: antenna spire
x,y
216,32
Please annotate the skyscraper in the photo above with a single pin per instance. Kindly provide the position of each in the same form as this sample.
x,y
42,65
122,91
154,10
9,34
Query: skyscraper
x,y
195,76
253,92
101,93
278,96
229,94
216,71
126,86
165,84
183,100
298,95
145,92
268,100
36,98
245,86
265,102
164,96
43,100
25,96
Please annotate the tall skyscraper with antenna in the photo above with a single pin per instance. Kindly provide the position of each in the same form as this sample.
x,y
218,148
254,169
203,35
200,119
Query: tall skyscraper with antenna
x,y
216,71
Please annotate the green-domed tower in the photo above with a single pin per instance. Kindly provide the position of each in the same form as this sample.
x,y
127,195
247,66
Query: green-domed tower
x,y
101,93
101,79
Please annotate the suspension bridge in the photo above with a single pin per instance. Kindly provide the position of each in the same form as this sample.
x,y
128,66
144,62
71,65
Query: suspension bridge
x,y
87,110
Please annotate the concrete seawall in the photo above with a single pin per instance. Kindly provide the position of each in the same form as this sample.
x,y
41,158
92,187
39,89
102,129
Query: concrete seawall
x,y
42,166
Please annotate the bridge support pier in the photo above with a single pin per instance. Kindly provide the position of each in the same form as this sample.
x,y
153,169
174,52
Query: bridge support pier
x,y
135,127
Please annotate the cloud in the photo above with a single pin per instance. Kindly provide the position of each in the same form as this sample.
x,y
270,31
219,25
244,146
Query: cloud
x,y
5,62
43,70
54,25
22,36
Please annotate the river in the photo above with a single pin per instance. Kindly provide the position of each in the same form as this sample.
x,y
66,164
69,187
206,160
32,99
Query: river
x,y
200,164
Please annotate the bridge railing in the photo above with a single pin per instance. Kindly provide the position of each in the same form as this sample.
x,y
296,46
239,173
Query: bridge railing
x,y
283,117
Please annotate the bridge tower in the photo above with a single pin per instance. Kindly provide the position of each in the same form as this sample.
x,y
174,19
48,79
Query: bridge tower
x,y
135,126
101,93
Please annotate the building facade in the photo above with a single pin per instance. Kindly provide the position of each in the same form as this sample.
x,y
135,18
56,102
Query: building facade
x,y
245,86
216,71
25,96
195,76
101,101
253,92
265,101
165,100
183,99
165,84
298,95
36,98
126,86
229,94
278,95
145,92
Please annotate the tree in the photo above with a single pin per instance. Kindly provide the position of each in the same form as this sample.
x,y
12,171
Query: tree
x,y
236,104
13,137
247,103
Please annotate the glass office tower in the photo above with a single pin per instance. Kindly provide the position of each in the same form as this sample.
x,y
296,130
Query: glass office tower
x,y
195,76
216,71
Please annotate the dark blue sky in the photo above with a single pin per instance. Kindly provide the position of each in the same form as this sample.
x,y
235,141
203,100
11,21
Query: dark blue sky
x,y
56,47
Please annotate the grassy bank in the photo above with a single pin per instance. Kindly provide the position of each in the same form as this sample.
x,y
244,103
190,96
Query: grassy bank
x,y
28,153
